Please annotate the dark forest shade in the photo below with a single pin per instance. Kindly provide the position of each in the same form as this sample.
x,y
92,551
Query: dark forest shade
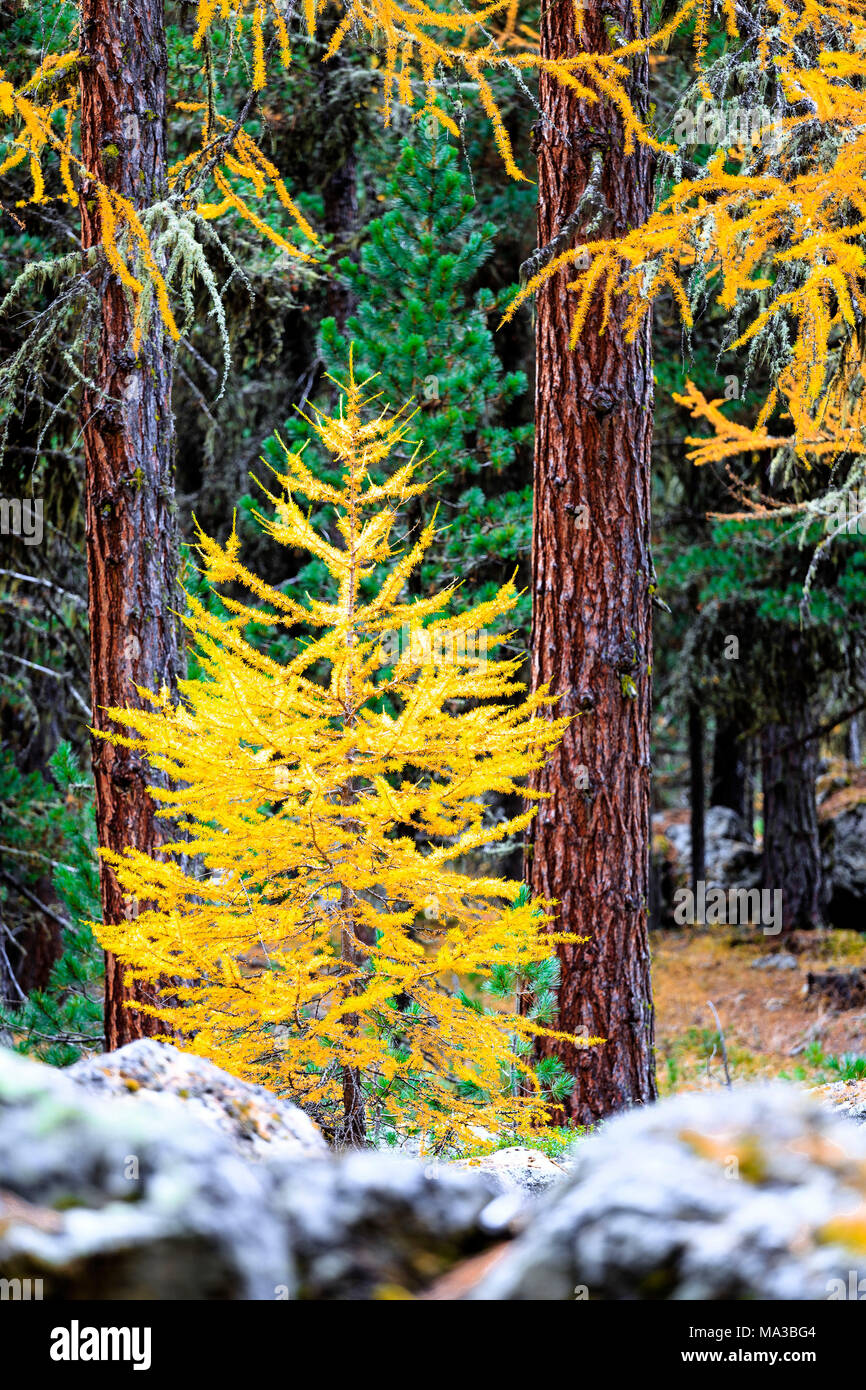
x,y
128,434
730,774
340,185
697,793
792,855
591,636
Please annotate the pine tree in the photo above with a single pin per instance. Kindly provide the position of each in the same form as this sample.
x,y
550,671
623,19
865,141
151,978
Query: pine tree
x,y
327,949
54,825
416,324
419,326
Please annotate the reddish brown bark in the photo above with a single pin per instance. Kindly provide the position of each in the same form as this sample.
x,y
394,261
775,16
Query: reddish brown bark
x,y
591,635
128,445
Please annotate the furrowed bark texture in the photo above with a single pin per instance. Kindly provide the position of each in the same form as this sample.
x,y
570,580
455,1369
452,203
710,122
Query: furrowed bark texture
x,y
591,638
792,853
128,445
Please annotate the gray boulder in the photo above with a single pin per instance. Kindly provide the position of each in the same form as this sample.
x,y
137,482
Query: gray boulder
x,y
257,1123
128,1200
152,1196
730,857
515,1169
733,861
742,1194
844,844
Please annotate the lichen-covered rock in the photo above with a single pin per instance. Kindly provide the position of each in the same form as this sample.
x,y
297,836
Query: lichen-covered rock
x,y
844,839
372,1225
106,1199
128,1201
517,1170
749,1193
845,1097
758,1192
257,1122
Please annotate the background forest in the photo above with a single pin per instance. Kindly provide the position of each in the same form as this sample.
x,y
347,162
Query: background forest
x,y
758,675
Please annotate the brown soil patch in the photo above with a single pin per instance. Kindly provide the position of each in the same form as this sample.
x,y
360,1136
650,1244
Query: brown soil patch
x,y
771,1028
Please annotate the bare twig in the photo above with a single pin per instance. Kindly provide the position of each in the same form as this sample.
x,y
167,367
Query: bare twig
x,y
58,675
32,898
45,584
722,1041
7,962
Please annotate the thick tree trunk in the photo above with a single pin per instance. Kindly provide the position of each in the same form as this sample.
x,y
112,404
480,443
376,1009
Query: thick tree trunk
x,y
728,785
697,793
792,855
128,443
591,634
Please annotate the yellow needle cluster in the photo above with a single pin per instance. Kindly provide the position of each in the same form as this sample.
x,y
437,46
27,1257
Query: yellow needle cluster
x,y
313,907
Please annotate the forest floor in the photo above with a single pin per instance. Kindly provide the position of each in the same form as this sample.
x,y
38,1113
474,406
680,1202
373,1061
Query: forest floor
x,y
770,1027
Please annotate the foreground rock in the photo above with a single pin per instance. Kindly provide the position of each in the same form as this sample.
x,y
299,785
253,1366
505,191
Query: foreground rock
x,y
517,1170
751,1193
128,1200
107,1198
371,1225
845,1097
112,1193
257,1122
843,836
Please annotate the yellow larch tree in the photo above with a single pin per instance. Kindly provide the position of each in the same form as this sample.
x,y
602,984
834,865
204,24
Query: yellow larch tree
x,y
774,227
327,943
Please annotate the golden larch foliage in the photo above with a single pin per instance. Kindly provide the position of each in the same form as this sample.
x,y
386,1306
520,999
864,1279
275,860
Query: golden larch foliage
x,y
773,226
419,50
312,906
